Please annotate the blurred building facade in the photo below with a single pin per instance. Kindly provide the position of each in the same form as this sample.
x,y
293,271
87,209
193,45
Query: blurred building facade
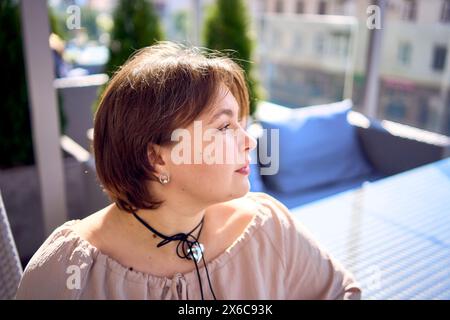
x,y
315,51
305,48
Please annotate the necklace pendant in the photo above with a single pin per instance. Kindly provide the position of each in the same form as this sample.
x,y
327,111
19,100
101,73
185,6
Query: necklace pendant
x,y
196,252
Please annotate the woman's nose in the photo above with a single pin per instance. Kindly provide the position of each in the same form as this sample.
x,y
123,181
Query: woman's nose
x,y
249,142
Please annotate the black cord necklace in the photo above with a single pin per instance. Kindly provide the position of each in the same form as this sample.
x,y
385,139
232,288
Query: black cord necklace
x,y
188,248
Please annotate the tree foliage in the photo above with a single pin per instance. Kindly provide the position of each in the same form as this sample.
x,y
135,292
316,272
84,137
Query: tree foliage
x,y
227,29
136,25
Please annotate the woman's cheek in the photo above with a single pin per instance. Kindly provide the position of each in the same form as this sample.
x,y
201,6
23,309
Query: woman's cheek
x,y
215,150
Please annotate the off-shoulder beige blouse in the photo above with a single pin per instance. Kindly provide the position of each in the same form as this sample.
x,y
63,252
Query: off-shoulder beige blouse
x,y
274,258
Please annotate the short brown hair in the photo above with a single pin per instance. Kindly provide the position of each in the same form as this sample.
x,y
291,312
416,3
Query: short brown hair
x,y
159,89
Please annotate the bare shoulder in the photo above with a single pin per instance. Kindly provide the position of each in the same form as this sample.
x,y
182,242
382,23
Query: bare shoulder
x,y
234,216
227,220
91,228
249,205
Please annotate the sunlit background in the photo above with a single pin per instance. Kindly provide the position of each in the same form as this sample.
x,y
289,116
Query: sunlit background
x,y
373,102
307,52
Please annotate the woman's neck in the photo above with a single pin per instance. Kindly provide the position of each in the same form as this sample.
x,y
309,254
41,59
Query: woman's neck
x,y
166,220
170,221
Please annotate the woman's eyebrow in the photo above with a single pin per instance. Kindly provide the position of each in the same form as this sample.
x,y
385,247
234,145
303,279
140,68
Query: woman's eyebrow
x,y
227,112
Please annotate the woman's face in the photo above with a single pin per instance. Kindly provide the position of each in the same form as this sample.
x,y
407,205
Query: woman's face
x,y
203,163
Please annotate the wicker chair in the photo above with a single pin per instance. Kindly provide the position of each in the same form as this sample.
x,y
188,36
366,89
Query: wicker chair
x,y
10,266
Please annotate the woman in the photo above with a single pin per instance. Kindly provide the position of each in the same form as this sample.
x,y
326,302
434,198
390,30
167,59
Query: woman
x,y
183,224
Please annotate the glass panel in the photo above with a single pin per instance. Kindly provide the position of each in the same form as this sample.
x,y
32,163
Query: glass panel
x,y
414,71
307,59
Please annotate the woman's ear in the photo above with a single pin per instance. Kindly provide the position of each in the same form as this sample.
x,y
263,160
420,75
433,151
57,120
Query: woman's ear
x,y
155,155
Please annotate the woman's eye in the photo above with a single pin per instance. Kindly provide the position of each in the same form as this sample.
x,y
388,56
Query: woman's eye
x,y
225,127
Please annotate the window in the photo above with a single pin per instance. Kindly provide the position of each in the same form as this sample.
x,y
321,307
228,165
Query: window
x,y
445,12
424,112
299,7
297,43
279,6
320,45
275,37
339,43
396,110
410,10
286,40
439,56
404,53
322,7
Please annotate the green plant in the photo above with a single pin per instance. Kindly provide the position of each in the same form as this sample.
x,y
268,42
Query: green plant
x,y
181,23
89,22
136,25
227,30
15,132
16,144
57,23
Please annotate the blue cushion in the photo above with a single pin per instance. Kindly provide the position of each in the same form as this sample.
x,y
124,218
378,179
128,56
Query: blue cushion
x,y
256,182
317,146
301,198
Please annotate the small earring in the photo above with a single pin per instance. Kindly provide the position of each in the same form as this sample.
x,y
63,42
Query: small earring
x,y
164,178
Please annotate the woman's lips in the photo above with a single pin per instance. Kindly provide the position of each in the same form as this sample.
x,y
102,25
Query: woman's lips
x,y
244,170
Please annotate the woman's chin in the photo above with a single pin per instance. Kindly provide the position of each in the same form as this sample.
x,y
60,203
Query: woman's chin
x,y
244,187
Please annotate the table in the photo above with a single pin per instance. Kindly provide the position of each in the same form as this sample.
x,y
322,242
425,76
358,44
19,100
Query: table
x,y
393,234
